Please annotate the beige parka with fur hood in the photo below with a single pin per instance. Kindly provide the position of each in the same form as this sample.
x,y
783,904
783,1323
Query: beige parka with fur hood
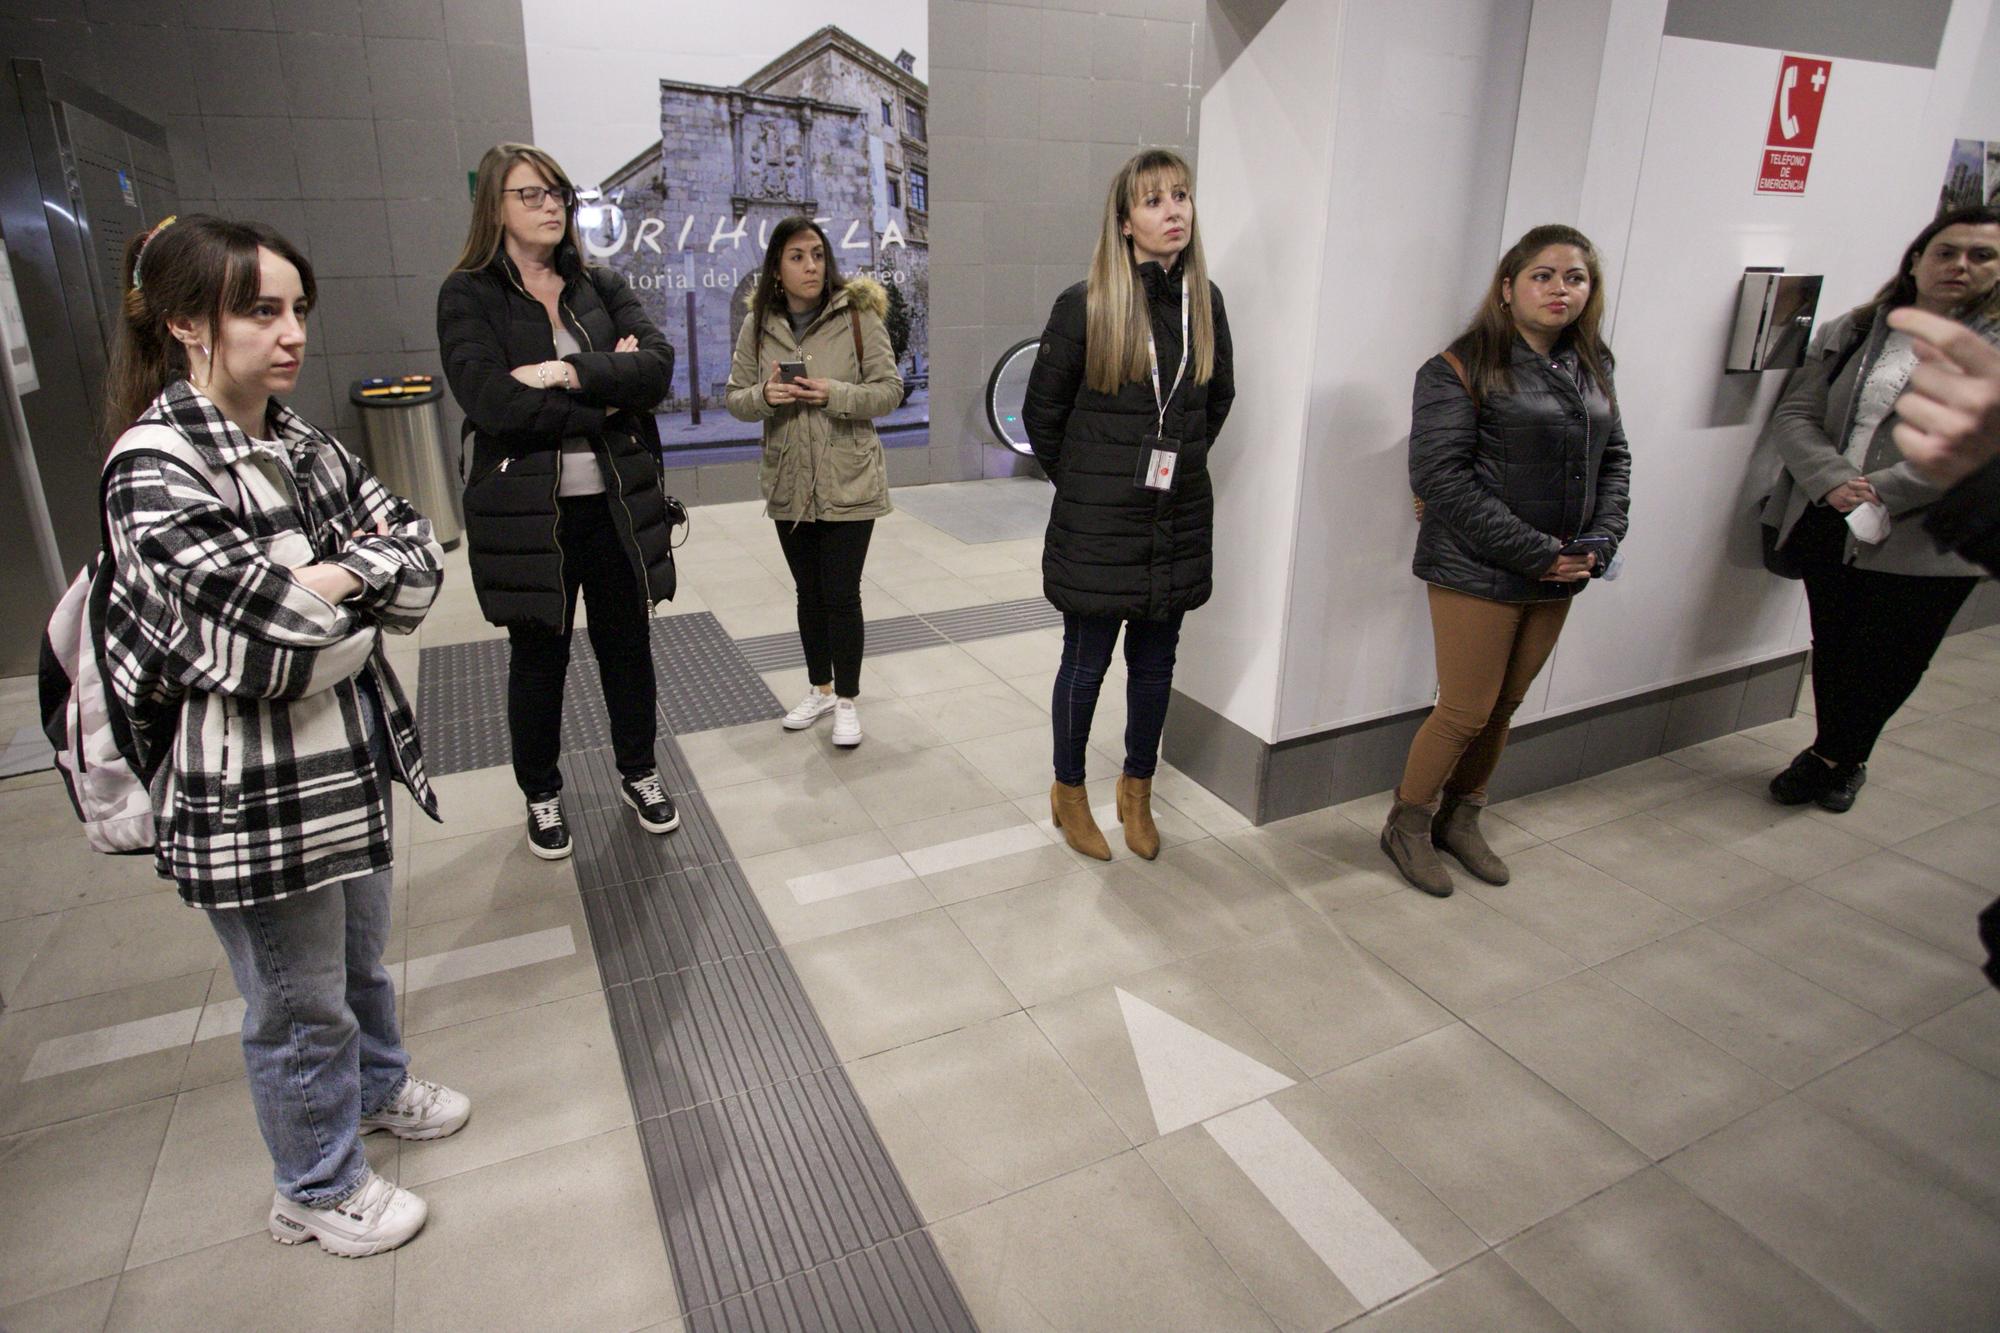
x,y
822,464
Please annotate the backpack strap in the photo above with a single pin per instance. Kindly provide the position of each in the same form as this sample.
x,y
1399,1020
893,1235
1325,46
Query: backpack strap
x,y
177,450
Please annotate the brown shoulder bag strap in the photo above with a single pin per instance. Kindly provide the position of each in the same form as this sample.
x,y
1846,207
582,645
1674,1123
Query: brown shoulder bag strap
x,y
1458,369
854,327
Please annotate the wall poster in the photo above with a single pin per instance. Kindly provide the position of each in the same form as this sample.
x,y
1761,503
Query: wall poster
x,y
689,139
1972,176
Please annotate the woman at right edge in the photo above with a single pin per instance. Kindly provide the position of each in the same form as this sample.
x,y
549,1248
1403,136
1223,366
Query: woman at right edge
x,y
1519,459
1129,390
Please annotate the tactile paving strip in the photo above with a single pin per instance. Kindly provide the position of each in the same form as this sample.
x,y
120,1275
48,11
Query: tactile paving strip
x,y
900,1284
704,682
775,652
779,1204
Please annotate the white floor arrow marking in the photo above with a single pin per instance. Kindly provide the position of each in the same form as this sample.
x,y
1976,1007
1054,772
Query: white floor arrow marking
x,y
1192,1078
1356,1243
1189,1075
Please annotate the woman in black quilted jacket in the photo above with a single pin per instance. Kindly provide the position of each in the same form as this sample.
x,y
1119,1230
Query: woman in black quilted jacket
x,y
1129,390
558,370
1519,462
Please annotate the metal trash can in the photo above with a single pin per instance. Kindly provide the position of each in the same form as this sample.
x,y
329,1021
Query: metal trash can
x,y
404,445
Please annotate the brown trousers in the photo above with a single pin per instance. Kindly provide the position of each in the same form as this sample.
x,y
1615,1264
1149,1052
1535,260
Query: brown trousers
x,y
1488,654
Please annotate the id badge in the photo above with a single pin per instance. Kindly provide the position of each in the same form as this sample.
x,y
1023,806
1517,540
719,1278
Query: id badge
x,y
1159,460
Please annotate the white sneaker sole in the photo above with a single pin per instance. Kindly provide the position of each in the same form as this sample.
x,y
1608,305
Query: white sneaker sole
x,y
444,1131
790,723
552,853
648,824
288,1230
847,742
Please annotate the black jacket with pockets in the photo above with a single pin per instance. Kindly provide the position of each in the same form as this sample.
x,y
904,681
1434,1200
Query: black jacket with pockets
x,y
487,325
1508,483
1115,548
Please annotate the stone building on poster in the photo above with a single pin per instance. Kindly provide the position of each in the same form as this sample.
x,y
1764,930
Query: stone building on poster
x,y
830,129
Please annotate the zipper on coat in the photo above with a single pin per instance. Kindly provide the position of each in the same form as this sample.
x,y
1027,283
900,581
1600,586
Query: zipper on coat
x,y
617,486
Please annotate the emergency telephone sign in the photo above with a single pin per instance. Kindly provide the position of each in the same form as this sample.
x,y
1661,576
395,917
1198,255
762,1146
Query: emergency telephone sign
x,y
1788,143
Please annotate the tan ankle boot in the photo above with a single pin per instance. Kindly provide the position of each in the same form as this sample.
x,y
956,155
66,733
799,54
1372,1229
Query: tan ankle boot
x,y
1135,812
1070,808
1406,838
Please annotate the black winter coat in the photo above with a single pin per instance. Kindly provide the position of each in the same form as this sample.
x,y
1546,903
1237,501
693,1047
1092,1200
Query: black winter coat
x,y
487,325
1115,548
1507,484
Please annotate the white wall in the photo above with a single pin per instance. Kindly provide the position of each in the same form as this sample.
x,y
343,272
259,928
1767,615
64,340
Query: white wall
x,y
1266,139
1419,170
1422,146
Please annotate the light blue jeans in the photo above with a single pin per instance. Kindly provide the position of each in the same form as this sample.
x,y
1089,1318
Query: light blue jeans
x,y
320,1037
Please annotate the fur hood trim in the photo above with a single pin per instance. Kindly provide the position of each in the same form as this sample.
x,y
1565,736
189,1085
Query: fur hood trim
x,y
864,294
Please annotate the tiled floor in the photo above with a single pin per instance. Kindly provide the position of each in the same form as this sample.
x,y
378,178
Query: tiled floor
x,y
1705,1063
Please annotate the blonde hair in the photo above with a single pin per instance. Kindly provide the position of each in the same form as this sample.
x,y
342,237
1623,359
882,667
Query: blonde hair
x,y
483,239
1116,318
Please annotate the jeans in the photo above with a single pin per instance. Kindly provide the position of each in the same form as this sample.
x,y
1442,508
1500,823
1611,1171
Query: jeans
x,y
1873,636
321,1042
1488,654
538,658
826,560
1149,681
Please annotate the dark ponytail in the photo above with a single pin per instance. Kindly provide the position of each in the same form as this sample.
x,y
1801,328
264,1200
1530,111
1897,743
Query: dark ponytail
x,y
199,267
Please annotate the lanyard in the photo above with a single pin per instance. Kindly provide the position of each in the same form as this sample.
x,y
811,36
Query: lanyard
x,y
1153,350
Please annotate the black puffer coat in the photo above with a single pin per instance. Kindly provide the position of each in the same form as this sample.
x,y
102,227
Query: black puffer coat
x,y
487,325
1115,548
1505,485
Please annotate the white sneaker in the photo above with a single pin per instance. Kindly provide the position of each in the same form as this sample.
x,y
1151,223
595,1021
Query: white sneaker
x,y
810,710
376,1217
846,724
421,1109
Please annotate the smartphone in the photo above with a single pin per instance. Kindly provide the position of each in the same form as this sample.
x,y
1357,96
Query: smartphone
x,y
1593,545
791,371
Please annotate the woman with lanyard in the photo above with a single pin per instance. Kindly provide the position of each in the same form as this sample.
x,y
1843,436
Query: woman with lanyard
x,y
1130,533
1519,459
1848,510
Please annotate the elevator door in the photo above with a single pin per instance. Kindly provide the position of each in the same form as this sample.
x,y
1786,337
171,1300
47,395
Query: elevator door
x,y
80,174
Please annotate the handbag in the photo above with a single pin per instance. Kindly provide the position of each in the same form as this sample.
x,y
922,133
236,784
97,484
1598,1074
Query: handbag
x,y
1779,559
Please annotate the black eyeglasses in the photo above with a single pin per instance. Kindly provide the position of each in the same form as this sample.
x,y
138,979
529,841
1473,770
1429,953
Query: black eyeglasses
x,y
533,196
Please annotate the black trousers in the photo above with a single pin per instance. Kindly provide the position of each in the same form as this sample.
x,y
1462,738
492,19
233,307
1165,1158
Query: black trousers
x,y
826,560
1873,637
538,662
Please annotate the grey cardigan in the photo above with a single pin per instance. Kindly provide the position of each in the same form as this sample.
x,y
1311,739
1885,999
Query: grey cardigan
x,y
1804,445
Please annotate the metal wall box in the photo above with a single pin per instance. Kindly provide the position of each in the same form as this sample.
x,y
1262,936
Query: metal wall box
x,y
1774,320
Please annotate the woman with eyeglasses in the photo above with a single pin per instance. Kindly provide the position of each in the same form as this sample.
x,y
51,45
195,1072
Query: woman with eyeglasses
x,y
558,371
1847,510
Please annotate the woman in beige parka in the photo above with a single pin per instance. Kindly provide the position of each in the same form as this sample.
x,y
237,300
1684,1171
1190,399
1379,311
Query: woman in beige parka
x,y
814,364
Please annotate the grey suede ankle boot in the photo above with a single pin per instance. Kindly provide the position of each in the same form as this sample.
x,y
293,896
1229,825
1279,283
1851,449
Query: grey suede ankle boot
x,y
1456,830
1406,839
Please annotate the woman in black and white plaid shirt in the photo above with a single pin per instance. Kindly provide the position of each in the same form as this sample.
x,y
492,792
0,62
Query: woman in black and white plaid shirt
x,y
258,564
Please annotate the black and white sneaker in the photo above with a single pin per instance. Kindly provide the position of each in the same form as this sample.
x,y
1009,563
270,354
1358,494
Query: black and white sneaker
x,y
548,832
648,797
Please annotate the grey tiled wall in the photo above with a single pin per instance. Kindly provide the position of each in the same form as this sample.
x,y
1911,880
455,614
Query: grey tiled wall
x,y
1270,782
1033,108
347,124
